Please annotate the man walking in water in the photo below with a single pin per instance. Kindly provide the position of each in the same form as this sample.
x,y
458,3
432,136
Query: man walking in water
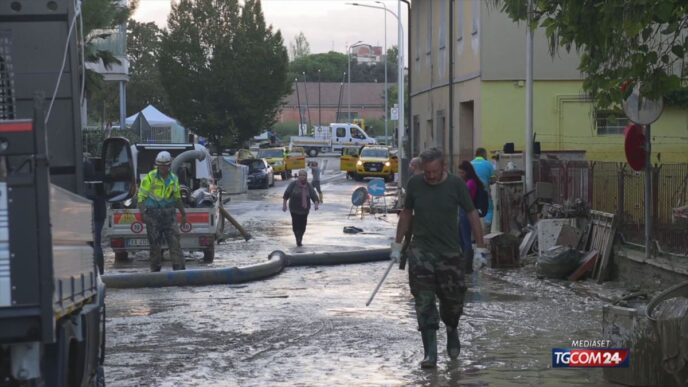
x,y
436,266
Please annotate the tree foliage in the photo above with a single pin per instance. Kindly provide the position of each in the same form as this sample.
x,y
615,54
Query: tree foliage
x,y
621,43
300,47
145,87
224,70
333,65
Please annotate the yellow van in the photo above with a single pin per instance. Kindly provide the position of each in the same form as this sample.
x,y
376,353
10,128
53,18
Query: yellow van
x,y
348,159
296,158
376,161
284,160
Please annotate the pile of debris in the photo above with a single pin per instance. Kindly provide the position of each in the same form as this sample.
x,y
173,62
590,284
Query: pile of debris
x,y
568,241
571,242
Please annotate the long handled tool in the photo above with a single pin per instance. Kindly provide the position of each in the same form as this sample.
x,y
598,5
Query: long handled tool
x,y
236,224
391,263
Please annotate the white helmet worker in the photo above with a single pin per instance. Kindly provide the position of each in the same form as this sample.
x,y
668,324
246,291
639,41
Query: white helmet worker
x,y
163,158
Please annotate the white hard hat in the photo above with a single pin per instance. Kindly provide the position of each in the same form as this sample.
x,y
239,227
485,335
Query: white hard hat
x,y
163,158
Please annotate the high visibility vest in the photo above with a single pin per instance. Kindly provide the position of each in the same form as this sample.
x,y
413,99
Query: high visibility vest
x,y
157,192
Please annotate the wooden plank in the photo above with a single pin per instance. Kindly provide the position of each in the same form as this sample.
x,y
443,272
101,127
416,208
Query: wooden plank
x,y
589,261
607,253
527,243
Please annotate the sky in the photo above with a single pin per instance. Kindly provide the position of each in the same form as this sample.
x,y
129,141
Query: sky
x,y
329,25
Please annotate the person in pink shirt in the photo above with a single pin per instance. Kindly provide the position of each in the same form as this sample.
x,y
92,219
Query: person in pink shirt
x,y
467,173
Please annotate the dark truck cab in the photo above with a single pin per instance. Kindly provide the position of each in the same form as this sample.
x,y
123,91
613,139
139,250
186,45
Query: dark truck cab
x,y
52,310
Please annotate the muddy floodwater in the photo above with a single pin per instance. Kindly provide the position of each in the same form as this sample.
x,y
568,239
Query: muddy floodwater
x,y
310,326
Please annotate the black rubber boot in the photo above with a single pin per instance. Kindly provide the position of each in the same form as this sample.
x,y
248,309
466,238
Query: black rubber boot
x,y
430,347
468,258
453,343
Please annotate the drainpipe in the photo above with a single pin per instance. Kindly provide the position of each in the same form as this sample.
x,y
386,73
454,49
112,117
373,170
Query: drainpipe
x,y
451,86
410,68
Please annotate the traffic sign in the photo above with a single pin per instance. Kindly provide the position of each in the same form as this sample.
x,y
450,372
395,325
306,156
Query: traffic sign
x,y
376,187
359,196
394,114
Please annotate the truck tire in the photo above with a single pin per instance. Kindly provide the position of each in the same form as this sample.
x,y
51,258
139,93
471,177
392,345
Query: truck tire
x,y
358,177
121,256
284,175
313,152
389,178
209,254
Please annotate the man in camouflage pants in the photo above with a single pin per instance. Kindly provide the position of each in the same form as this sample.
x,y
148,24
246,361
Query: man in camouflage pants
x,y
435,261
159,197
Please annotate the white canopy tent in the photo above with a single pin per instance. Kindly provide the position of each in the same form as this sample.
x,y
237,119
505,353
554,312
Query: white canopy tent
x,y
163,128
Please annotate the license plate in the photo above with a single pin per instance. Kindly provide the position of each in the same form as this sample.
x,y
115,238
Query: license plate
x,y
137,242
373,169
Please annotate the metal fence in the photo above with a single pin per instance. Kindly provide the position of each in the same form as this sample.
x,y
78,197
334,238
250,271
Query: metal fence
x,y
616,188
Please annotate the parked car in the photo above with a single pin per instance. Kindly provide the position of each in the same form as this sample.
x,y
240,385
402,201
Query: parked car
x,y
260,174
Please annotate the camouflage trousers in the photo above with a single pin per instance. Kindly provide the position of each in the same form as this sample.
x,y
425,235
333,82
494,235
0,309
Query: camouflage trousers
x,y
431,275
161,226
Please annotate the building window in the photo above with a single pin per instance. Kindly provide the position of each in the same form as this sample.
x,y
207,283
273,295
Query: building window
x,y
416,22
610,122
429,28
443,25
476,16
459,20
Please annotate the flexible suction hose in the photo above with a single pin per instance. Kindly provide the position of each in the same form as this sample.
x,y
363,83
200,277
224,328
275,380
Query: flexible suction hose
x,y
277,261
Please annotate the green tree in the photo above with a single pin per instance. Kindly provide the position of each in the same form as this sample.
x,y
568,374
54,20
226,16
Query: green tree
x,y
300,47
621,43
333,65
224,70
144,87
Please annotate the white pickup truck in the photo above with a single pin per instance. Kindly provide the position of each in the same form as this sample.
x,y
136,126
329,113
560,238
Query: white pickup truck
x,y
332,138
192,164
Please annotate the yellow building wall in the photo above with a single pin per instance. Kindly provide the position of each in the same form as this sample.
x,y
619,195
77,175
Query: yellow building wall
x,y
563,120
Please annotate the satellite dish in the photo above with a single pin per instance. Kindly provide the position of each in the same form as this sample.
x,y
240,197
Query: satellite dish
x,y
634,145
641,110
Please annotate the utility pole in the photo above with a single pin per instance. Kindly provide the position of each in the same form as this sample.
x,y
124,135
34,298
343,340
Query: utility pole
x,y
528,154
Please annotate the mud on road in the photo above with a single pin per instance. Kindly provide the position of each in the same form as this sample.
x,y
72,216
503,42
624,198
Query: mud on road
x,y
310,326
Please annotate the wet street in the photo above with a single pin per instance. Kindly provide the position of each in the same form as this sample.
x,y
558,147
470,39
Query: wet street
x,y
310,325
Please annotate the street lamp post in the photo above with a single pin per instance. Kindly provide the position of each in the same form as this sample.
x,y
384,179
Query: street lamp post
x,y
400,79
319,102
348,87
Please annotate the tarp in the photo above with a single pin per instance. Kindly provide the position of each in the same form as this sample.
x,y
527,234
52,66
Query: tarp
x,y
234,176
154,117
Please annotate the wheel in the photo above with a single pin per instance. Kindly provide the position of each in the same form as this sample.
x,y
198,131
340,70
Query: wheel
x,y
389,178
284,175
358,177
313,152
209,254
272,181
267,183
121,256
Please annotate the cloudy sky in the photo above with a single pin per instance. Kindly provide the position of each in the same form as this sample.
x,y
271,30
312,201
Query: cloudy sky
x,y
327,24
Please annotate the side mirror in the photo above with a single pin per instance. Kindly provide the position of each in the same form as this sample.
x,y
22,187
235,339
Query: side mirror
x,y
119,179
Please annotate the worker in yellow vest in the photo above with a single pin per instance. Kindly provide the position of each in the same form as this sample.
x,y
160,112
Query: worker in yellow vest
x,y
158,198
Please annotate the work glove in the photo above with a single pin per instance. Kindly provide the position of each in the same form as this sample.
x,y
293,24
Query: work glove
x,y
395,254
480,258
